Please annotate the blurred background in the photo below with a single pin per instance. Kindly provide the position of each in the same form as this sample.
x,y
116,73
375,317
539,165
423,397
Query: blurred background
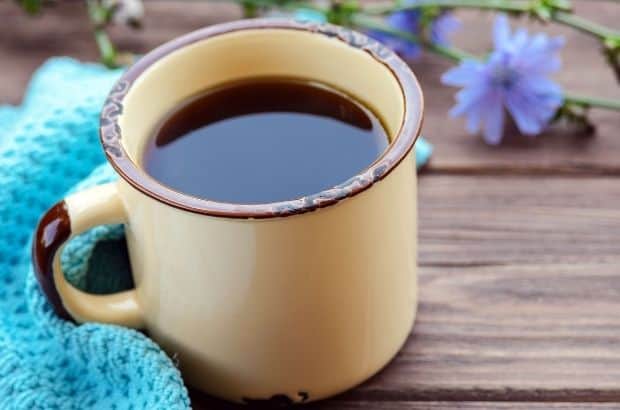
x,y
63,28
519,243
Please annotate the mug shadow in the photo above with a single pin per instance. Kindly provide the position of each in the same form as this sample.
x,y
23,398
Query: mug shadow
x,y
201,400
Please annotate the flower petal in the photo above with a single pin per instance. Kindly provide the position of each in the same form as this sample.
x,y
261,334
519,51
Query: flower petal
x,y
442,27
473,114
408,21
400,46
467,98
523,114
541,55
533,104
472,102
519,41
501,31
514,78
473,119
493,118
465,73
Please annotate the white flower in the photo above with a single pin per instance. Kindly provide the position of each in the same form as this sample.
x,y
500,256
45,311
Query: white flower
x,y
129,12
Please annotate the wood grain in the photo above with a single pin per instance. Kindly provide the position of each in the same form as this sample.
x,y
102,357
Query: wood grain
x,y
470,406
404,405
519,294
63,30
519,244
200,402
525,220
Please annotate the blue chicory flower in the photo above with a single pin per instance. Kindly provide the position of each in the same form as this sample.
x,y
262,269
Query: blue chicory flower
x,y
442,27
514,78
409,21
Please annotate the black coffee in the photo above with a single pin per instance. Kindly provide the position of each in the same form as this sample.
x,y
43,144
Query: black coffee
x,y
264,141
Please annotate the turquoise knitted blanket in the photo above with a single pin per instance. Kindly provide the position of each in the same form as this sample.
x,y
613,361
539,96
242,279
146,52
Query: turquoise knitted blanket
x,y
49,146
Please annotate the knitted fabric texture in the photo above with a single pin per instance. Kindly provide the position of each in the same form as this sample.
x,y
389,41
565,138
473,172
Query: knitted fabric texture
x,y
49,147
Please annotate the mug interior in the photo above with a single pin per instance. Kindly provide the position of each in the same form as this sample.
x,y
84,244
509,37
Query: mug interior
x,y
343,59
251,53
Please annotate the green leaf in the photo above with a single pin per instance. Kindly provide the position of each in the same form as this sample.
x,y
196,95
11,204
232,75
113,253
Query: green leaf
x,y
563,5
542,13
341,12
612,43
544,9
31,6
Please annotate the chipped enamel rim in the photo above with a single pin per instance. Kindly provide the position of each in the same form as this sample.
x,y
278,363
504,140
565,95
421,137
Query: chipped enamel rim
x,y
111,136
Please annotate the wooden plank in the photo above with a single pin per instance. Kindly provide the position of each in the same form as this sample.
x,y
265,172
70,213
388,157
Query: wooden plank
x,y
25,43
200,402
404,405
526,220
534,333
519,294
465,406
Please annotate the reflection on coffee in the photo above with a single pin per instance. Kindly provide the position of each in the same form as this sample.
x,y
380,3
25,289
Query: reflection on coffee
x,y
264,140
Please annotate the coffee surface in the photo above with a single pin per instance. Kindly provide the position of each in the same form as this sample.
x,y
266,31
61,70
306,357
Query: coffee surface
x,y
264,140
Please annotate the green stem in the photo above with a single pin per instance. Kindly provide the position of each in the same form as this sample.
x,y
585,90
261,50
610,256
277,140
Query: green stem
x,y
368,23
106,49
518,6
364,21
100,17
521,6
250,9
589,101
270,4
583,25
452,53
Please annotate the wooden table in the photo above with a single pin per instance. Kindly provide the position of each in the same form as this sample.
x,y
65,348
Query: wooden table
x,y
519,244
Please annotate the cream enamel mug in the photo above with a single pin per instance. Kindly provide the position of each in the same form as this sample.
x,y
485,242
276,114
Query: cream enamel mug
x,y
299,299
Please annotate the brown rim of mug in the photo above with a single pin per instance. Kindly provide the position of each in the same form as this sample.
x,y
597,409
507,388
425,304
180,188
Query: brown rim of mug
x,y
110,132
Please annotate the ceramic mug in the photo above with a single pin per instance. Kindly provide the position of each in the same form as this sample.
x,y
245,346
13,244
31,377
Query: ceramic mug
x,y
297,300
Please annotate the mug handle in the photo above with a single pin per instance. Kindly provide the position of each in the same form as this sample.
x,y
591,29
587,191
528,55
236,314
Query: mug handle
x,y
69,217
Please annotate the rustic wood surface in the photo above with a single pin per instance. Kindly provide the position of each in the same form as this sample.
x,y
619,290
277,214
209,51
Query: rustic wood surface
x,y
519,244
